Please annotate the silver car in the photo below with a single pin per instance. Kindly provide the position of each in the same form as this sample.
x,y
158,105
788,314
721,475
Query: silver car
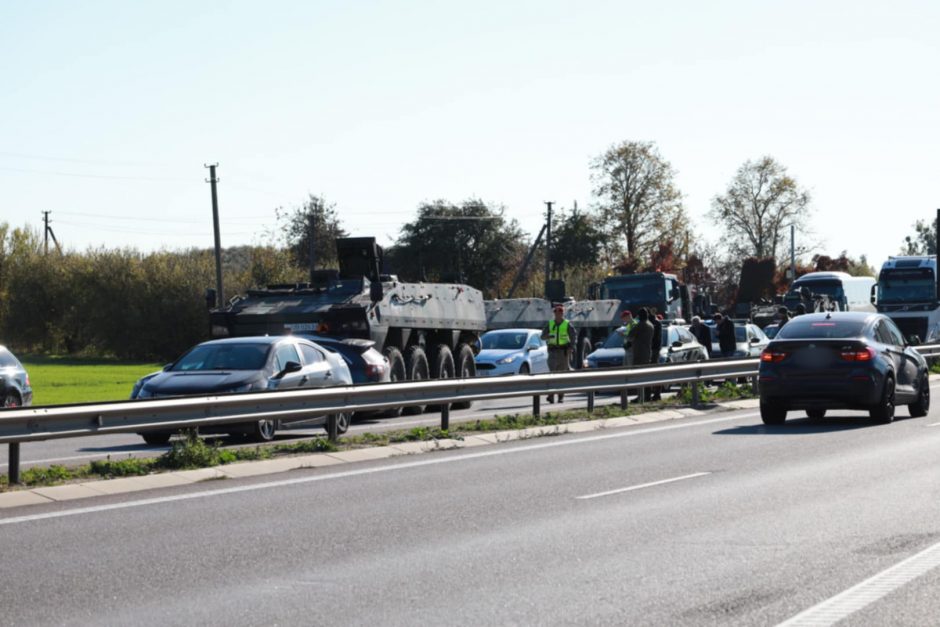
x,y
248,364
749,339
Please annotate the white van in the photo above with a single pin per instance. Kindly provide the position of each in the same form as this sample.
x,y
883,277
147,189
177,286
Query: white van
x,y
849,293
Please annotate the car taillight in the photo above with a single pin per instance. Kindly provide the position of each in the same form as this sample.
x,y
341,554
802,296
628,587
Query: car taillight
x,y
772,356
375,371
865,354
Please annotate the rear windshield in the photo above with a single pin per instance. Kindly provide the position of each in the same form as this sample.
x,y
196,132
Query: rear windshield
x,y
820,329
7,360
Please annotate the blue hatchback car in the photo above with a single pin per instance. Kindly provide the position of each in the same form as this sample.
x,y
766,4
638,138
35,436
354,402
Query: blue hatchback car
x,y
512,351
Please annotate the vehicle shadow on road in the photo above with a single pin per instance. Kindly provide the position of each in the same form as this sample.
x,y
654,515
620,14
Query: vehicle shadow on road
x,y
803,425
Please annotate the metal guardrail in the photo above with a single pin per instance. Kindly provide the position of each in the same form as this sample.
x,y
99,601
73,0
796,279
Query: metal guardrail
x,y
65,421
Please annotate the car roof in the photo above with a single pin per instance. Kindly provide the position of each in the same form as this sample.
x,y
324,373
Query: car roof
x,y
513,331
855,316
257,339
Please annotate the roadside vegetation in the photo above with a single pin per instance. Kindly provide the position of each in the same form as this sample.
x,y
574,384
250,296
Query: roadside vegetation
x,y
191,451
65,380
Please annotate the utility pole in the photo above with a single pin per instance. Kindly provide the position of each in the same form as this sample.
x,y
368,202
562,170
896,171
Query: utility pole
x,y
220,295
312,243
548,244
47,231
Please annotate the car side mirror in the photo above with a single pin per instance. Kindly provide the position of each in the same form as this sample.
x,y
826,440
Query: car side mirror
x,y
289,367
677,344
913,340
754,340
873,298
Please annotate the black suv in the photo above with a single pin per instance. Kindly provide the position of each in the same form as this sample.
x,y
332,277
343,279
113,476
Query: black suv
x,y
14,382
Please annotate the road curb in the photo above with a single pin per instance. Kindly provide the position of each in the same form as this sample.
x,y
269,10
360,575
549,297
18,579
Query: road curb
x,y
123,485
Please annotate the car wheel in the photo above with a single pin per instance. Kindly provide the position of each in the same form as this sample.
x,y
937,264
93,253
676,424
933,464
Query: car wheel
x,y
159,438
921,406
397,372
416,365
466,368
816,414
343,420
11,399
263,430
883,412
524,369
772,415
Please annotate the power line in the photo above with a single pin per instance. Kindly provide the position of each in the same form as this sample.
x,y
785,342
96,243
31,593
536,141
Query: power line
x,y
20,155
94,176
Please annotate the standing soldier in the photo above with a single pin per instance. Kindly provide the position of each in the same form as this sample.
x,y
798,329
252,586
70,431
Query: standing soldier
x,y
560,336
642,337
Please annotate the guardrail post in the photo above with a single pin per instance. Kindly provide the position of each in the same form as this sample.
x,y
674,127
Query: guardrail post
x,y
445,416
332,428
696,394
13,463
624,400
590,401
754,385
536,405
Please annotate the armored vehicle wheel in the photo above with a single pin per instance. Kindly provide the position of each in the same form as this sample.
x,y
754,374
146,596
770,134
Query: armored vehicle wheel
x,y
156,438
416,365
442,367
465,367
442,363
397,372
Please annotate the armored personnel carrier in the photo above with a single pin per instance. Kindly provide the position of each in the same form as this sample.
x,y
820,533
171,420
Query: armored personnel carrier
x,y
426,330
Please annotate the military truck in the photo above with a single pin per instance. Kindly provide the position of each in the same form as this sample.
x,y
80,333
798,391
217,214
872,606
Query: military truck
x,y
659,291
426,330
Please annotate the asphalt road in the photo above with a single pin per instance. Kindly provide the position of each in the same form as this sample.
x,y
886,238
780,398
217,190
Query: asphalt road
x,y
701,521
77,451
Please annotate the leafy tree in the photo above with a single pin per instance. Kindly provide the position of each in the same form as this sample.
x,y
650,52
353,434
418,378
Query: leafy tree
x,y
638,196
843,263
924,241
471,242
577,240
761,202
318,216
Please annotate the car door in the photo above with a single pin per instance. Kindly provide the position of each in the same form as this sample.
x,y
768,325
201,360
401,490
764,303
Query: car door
x,y
538,353
317,370
688,344
756,340
893,355
909,368
673,353
285,353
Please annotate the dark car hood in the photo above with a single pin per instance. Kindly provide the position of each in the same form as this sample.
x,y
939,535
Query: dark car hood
x,y
204,382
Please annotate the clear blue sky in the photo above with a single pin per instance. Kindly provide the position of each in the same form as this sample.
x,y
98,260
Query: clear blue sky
x,y
110,109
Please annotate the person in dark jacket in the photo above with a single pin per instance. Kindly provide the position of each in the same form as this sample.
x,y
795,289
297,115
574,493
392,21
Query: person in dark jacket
x,y
656,344
702,333
641,337
727,343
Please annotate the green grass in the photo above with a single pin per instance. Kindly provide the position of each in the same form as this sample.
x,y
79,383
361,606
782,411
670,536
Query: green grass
x,y
64,380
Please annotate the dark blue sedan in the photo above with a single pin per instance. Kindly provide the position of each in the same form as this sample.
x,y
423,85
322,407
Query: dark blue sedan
x,y
841,360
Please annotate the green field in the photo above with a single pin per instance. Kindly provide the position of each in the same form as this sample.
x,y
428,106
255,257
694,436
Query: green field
x,y
61,380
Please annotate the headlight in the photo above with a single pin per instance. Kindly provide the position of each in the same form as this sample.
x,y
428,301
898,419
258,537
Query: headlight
x,y
143,392
508,360
587,363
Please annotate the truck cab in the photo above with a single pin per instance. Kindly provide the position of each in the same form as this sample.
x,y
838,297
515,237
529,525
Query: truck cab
x,y
907,293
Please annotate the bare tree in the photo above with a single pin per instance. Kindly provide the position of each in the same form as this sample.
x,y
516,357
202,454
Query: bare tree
x,y
760,204
640,202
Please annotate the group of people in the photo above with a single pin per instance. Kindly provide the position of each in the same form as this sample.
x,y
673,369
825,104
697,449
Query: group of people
x,y
642,340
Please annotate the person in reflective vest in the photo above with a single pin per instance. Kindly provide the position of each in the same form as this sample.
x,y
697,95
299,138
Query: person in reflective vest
x,y
560,335
628,322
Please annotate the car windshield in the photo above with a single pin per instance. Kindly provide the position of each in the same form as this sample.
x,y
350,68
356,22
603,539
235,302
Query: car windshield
x,y
7,360
906,286
820,328
636,292
505,340
223,357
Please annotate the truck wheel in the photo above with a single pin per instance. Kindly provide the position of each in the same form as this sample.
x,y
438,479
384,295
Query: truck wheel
x,y
465,368
585,349
397,372
416,365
